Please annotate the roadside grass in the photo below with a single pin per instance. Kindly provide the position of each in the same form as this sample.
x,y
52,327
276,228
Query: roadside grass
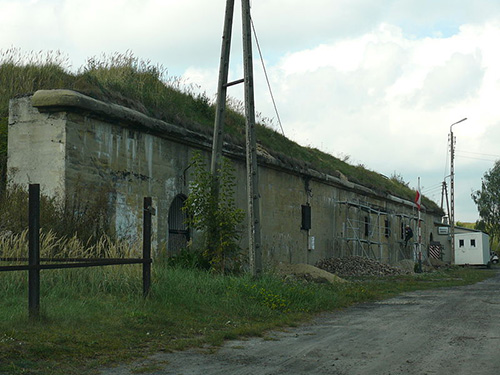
x,y
97,317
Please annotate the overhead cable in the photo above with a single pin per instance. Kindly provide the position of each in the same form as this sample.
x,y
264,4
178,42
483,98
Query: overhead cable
x,y
267,78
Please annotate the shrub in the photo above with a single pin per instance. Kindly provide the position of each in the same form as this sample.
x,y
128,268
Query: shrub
x,y
216,216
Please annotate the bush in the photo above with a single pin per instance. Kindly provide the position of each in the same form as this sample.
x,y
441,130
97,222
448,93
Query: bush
x,y
215,215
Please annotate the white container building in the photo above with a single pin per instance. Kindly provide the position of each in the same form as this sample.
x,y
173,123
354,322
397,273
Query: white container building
x,y
472,248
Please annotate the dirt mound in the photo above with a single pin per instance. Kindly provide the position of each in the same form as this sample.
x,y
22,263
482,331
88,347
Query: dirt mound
x,y
307,272
406,265
358,266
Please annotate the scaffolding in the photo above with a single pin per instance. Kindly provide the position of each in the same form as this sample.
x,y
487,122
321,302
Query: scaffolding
x,y
369,233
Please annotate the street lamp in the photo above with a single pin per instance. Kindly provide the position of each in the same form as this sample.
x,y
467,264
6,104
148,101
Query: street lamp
x,y
452,189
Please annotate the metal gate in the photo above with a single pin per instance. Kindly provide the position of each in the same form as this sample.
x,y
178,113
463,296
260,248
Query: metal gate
x,y
178,230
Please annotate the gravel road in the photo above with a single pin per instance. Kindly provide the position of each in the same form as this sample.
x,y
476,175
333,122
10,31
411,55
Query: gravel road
x,y
446,331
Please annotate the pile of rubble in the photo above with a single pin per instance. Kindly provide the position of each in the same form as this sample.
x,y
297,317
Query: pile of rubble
x,y
358,266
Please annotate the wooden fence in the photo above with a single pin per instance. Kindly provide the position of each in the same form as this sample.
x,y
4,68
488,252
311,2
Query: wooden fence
x,y
34,261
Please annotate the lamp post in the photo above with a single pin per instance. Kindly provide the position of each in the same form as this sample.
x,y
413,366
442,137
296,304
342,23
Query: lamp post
x,y
452,189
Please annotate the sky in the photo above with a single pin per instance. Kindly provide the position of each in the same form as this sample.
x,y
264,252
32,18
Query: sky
x,y
377,83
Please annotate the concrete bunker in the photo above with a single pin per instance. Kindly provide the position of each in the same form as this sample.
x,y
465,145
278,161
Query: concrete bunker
x,y
59,137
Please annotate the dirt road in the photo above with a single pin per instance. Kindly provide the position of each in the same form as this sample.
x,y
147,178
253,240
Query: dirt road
x,y
446,331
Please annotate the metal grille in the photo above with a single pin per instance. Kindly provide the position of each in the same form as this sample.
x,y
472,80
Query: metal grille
x,y
178,231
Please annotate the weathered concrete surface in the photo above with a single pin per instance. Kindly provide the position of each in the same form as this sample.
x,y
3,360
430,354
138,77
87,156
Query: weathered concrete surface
x,y
37,147
445,331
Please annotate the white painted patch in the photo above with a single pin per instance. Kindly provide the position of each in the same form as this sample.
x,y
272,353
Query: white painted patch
x,y
126,220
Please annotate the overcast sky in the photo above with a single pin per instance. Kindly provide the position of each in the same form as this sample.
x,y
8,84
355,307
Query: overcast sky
x,y
378,81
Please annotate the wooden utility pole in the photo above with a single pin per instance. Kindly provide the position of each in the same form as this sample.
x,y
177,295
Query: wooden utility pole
x,y
254,238
419,233
34,251
251,146
222,86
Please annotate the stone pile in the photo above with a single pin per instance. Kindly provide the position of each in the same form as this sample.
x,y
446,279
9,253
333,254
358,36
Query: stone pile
x,y
357,266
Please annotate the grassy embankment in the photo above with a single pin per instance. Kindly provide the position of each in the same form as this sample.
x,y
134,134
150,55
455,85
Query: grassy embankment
x,y
126,80
97,317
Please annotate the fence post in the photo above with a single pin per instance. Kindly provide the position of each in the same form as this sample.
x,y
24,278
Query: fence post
x,y
146,245
34,251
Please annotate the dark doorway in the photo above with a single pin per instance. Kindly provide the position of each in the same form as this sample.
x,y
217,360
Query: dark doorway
x,y
178,231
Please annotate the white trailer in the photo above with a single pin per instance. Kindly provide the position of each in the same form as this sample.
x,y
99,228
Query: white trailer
x,y
472,248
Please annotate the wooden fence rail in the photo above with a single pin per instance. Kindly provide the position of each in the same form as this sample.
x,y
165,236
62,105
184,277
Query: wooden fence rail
x,y
34,266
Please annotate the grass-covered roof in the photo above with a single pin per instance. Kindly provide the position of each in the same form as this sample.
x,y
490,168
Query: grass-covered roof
x,y
145,87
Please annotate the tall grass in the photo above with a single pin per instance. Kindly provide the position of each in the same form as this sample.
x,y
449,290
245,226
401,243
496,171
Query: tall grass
x,y
147,87
85,215
53,247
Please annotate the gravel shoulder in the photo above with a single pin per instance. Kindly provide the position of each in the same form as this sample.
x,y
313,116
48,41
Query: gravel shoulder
x,y
445,331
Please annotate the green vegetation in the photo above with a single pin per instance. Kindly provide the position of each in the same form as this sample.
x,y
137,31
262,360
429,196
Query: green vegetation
x,y
97,317
85,218
211,209
488,204
140,85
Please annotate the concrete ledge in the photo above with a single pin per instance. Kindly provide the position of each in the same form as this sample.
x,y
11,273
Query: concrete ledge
x,y
60,100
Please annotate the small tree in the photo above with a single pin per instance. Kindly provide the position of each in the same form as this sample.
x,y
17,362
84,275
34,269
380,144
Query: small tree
x,y
488,202
218,219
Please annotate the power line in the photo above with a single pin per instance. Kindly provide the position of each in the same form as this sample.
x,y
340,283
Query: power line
x,y
473,158
432,190
432,186
478,153
267,78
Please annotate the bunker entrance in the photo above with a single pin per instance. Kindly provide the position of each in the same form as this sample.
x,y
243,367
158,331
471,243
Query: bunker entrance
x,y
178,231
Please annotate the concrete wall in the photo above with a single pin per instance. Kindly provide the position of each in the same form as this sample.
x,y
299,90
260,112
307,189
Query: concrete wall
x,y
38,149
71,143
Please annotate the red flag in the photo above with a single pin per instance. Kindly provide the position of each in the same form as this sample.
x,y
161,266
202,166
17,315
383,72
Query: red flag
x,y
418,199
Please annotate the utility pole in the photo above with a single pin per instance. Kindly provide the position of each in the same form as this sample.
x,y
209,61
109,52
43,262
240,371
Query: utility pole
x,y
254,238
444,193
251,146
222,86
419,231
452,189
